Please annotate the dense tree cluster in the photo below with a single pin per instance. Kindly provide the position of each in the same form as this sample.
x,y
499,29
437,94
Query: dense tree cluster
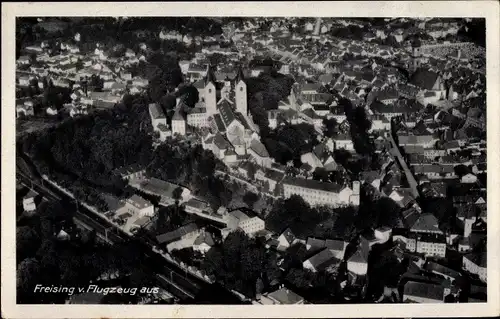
x,y
264,93
353,32
82,153
359,126
289,142
330,127
43,259
192,167
164,75
238,263
319,287
376,213
303,219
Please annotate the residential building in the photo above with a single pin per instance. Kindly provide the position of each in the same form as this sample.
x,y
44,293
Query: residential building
x,y
130,172
197,116
244,221
320,261
165,190
282,296
178,123
358,262
29,201
137,205
203,242
269,176
422,292
442,271
286,239
319,193
344,141
157,116
427,244
475,263
259,153
182,237
196,206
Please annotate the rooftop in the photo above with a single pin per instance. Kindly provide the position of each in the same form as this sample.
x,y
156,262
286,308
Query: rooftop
x,y
285,296
138,202
312,184
176,234
425,290
426,222
156,111
259,148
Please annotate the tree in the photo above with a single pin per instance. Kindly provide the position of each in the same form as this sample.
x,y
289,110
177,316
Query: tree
x,y
79,65
295,213
168,102
189,95
216,59
330,127
250,198
320,174
28,273
251,171
27,242
177,194
461,170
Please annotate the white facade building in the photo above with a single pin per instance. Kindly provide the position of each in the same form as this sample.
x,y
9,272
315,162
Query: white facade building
x,y
137,205
319,193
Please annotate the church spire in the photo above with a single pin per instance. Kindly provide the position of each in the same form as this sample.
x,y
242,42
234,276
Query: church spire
x,y
239,75
210,75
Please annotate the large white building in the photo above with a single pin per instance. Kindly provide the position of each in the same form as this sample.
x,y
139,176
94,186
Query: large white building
x,y
137,205
424,236
238,219
320,193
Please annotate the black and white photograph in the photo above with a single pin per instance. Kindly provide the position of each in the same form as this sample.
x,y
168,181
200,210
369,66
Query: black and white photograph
x,y
241,160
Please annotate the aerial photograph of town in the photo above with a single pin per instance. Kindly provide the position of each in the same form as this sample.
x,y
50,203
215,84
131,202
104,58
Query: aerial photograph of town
x,y
250,161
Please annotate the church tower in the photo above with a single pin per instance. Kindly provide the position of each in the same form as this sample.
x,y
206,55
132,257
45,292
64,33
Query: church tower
x,y
241,93
317,27
210,93
416,54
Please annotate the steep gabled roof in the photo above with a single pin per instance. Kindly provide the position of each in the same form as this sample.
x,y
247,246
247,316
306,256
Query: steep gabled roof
x,y
323,259
210,78
221,142
240,76
426,222
259,148
424,79
289,236
226,112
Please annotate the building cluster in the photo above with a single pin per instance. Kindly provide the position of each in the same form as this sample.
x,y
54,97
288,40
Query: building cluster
x,y
428,127
96,79
425,101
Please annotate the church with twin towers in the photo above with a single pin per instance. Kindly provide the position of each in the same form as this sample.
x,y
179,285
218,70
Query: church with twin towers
x,y
223,110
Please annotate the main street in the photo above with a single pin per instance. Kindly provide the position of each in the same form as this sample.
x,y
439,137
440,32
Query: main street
x,y
170,276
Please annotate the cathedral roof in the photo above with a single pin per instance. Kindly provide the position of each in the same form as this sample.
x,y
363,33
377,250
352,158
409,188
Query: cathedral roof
x,y
226,112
